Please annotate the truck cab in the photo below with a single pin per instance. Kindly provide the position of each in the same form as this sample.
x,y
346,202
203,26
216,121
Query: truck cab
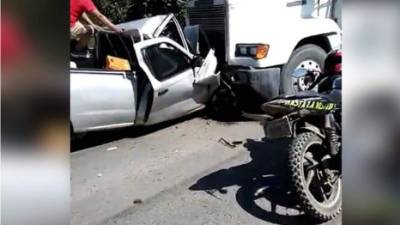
x,y
260,43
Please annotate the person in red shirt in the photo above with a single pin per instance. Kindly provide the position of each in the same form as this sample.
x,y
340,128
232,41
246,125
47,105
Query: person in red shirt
x,y
80,7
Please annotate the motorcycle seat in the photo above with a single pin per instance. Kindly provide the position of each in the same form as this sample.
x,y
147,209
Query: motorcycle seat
x,y
299,95
279,106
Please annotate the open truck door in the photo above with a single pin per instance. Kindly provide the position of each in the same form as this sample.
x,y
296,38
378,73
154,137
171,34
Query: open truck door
x,y
172,71
101,100
200,47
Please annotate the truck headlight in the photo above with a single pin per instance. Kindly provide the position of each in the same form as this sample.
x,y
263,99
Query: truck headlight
x,y
256,51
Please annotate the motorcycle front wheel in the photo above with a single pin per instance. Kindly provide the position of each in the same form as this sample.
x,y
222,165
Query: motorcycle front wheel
x,y
317,187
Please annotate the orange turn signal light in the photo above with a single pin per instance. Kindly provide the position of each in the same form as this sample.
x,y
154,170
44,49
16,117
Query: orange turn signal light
x,y
262,51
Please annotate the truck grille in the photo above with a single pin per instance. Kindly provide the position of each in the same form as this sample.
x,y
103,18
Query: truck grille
x,y
210,18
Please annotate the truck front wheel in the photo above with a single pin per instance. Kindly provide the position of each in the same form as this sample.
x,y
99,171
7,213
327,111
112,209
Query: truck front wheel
x,y
308,56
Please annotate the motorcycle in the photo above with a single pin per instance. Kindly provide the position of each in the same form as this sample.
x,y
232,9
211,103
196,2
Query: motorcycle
x,y
312,122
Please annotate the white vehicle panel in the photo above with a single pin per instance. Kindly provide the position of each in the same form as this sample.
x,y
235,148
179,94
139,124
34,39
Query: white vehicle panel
x,y
261,26
100,100
178,95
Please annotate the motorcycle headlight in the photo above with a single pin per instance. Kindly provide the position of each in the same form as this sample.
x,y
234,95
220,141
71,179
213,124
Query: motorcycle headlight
x,y
256,51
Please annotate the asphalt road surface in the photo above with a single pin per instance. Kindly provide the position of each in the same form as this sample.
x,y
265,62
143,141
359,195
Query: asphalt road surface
x,y
181,173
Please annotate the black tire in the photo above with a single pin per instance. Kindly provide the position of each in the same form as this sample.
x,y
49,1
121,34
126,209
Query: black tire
x,y
303,53
310,204
224,105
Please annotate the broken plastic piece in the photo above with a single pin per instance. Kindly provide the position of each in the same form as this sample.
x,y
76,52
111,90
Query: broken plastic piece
x,y
137,201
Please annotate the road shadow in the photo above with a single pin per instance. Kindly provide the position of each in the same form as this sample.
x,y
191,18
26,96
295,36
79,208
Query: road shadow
x,y
266,171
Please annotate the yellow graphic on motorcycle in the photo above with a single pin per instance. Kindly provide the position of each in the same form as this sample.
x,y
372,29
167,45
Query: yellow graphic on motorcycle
x,y
310,104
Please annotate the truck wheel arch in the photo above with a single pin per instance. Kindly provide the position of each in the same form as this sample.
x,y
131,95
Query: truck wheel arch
x,y
319,40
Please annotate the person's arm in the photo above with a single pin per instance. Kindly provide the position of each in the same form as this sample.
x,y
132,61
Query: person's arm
x,y
88,23
103,19
87,19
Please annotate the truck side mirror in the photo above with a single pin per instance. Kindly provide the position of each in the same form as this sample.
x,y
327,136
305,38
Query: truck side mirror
x,y
197,61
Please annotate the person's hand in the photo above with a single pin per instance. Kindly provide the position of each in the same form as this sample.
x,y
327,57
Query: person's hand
x,y
118,30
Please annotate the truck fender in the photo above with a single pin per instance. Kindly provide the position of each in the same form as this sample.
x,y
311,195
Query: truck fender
x,y
309,30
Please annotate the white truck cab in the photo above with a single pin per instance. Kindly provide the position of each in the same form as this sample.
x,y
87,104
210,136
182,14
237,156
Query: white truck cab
x,y
259,43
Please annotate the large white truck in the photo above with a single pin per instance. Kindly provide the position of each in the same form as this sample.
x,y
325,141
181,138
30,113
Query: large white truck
x,y
259,43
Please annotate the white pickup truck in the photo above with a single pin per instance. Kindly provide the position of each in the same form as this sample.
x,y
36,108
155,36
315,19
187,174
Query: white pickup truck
x,y
259,43
166,80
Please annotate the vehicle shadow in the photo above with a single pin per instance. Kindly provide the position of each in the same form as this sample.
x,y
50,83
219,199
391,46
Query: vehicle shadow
x,y
266,171
95,138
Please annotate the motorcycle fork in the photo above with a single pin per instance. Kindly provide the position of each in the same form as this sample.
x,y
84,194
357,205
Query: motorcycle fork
x,y
331,134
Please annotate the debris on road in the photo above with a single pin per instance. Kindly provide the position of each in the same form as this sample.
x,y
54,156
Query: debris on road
x,y
99,174
212,193
137,201
237,142
112,148
228,144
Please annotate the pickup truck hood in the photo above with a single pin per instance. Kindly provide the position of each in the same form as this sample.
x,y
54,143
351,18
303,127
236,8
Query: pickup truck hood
x,y
146,26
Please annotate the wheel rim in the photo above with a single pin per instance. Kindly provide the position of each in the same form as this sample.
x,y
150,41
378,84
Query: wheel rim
x,y
324,189
300,83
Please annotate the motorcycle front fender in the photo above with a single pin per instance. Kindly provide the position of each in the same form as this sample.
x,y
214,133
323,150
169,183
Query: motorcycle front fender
x,y
309,127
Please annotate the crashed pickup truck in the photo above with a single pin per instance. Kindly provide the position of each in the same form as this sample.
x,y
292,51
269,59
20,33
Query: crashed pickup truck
x,y
167,77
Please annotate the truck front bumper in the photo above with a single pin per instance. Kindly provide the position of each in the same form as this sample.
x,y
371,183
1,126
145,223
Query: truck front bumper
x,y
265,81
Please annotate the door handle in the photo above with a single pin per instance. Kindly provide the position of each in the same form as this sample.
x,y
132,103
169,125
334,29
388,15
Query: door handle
x,y
163,92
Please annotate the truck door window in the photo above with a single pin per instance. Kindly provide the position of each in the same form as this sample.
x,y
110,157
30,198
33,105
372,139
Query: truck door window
x,y
114,45
171,32
165,61
106,45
